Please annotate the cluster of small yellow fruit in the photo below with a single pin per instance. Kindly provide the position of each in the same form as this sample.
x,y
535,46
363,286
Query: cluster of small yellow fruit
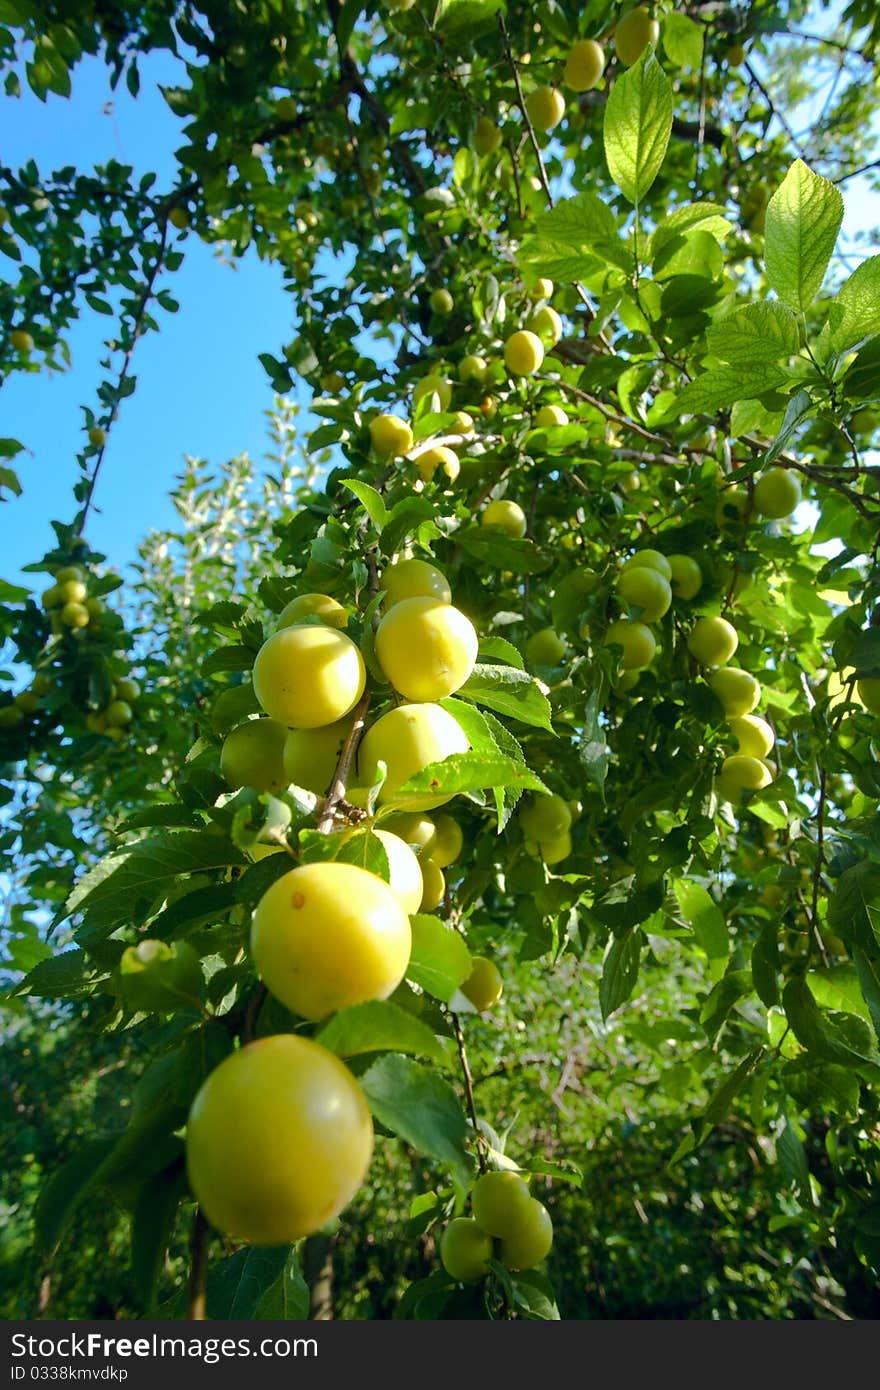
x,y
507,1223
712,642
647,583
328,935
113,720
584,67
67,600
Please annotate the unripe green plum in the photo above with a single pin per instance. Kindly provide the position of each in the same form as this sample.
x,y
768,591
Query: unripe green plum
x,y
499,1202
427,649
21,340
547,324
97,437
310,755
544,817
118,713
408,739
637,640
416,830
868,689
322,606
448,841
532,1239
434,385
51,596
737,690
464,1250
545,107
549,417
253,755
584,65
754,736
487,136
328,935
441,301
11,716
438,456
127,689
28,701
712,641
433,886
71,574
405,873
483,986
523,353
633,33
279,1139
390,436
555,849
72,591
732,508
650,559
777,493
644,588
159,976
308,676
505,516
414,578
741,774
75,615
686,577
545,647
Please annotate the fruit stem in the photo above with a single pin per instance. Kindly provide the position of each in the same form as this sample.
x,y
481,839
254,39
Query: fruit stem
x,y
469,1093
198,1268
340,776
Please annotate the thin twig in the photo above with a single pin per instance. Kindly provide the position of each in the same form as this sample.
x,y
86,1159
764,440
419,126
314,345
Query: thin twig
x,y
198,1268
469,1093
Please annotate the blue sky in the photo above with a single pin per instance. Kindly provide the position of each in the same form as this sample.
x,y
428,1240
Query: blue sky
x,y
201,388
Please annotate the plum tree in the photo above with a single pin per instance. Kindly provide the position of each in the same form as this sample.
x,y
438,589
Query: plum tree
x,y
328,935
278,1140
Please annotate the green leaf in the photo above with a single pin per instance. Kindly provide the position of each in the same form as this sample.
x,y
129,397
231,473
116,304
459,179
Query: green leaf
x,y
502,649
592,748
836,1037
504,552
475,724
371,500
583,225
638,123
707,217
65,976
792,1159
379,1026
822,1086
719,1104
724,386
440,961
855,314
797,412
682,40
620,970
107,892
151,1226
803,220
466,772
466,17
509,691
65,1188
766,332
721,999
238,1284
868,970
421,1108
765,966
703,914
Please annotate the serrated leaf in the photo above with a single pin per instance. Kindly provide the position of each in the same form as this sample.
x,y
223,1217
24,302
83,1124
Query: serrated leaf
x,y
475,725
721,998
421,1108
800,233
151,1225
379,1026
237,1285
766,332
583,225
637,126
707,217
509,691
63,1190
466,772
856,310
822,1086
440,961
724,386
